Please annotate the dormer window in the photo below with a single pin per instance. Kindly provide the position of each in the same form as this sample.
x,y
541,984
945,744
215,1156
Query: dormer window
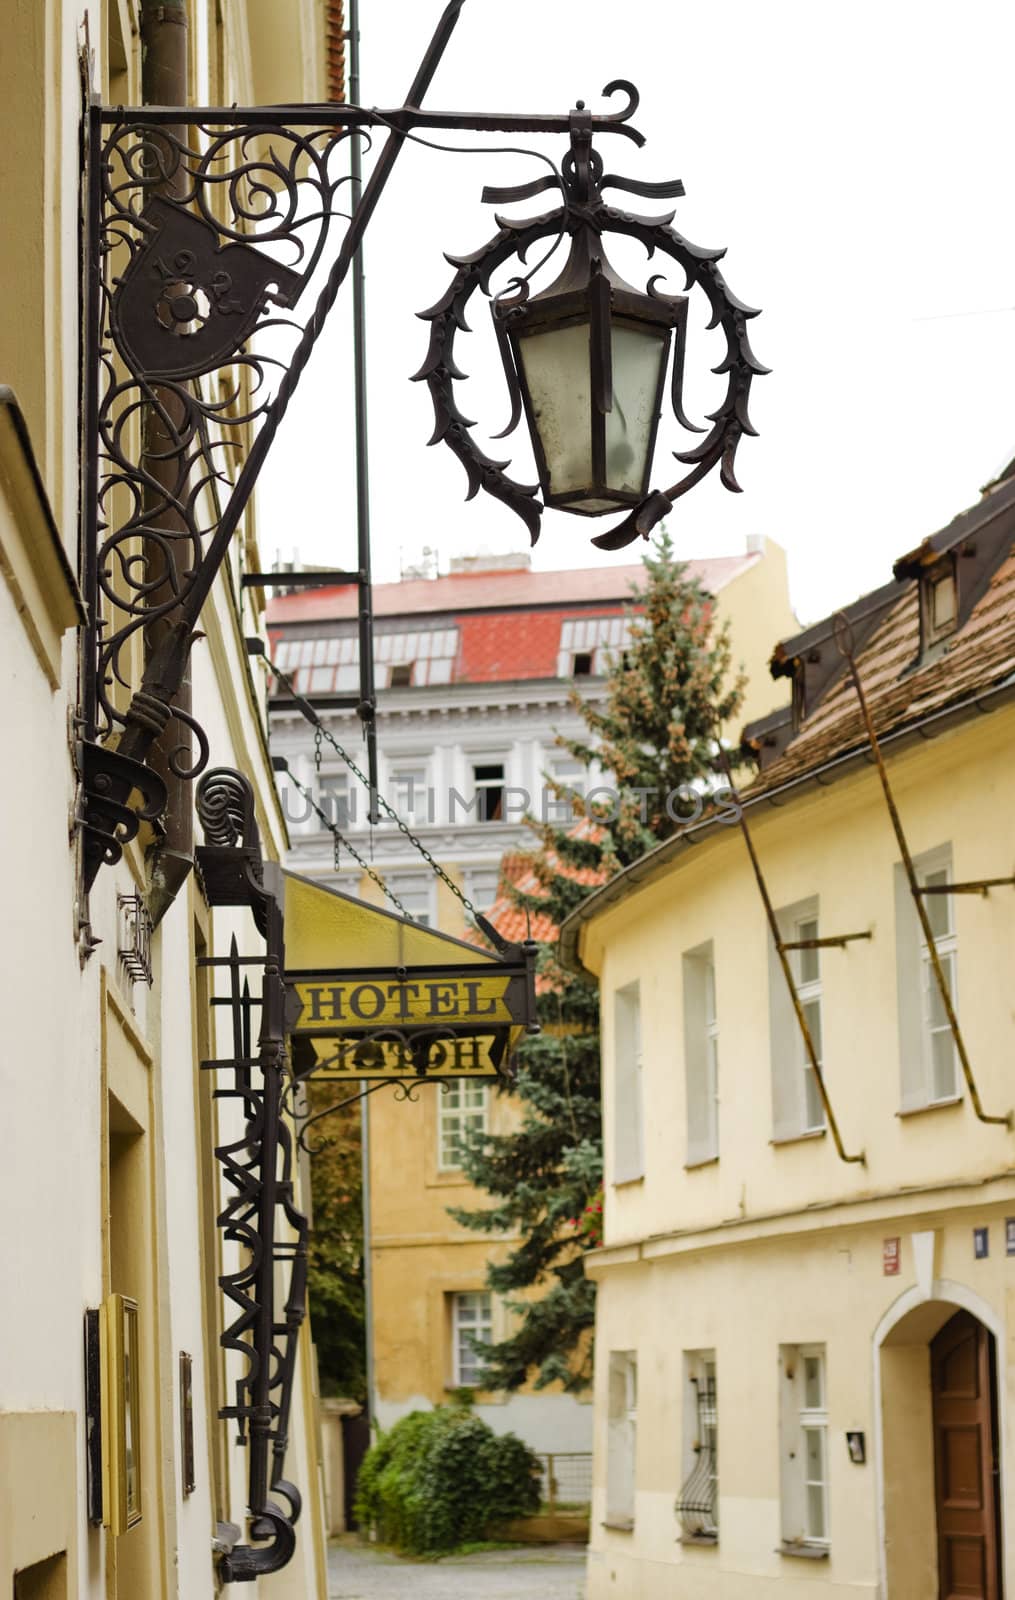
x,y
939,602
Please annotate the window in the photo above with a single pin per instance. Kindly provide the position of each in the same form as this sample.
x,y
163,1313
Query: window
x,y
330,665
927,1048
939,602
796,1098
409,792
621,1438
804,1445
416,892
589,644
472,1329
488,788
697,1505
701,1055
337,796
461,1111
481,885
628,1152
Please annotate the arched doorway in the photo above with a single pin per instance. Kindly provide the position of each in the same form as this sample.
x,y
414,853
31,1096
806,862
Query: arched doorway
x,y
938,1450
963,1375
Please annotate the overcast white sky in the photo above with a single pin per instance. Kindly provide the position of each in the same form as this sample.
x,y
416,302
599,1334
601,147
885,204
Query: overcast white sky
x,y
856,161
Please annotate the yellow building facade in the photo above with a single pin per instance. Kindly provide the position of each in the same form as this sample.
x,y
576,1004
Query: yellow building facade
x,y
804,1368
110,1186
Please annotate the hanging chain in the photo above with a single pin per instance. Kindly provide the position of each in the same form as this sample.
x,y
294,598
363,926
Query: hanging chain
x,y
340,839
317,751
320,731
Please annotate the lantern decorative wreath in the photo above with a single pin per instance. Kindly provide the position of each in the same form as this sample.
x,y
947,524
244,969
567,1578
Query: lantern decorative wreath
x,y
586,358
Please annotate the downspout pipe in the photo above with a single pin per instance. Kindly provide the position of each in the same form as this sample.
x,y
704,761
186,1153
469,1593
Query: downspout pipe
x,y
164,82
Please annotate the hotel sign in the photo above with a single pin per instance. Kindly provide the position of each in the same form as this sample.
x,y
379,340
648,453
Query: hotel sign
x,y
476,1056
431,1021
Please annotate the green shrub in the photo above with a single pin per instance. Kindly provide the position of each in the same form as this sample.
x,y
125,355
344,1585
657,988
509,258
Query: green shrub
x,y
439,1479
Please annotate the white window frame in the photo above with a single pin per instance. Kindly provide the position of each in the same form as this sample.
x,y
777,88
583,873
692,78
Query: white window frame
x,y
340,780
627,1109
920,1083
464,1108
701,1055
622,1438
802,1418
797,1109
809,993
410,886
416,805
481,785
465,1361
481,899
947,952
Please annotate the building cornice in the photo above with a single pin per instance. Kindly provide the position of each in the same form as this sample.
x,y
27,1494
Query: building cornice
x,y
888,1206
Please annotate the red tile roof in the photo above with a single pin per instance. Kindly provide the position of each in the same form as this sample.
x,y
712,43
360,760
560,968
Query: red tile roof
x,y
472,591
512,920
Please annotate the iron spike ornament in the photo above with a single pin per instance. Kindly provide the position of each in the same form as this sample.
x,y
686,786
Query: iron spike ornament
x,y
585,359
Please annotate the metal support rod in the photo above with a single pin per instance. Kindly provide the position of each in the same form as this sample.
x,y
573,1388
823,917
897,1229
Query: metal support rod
x,y
89,516
975,886
164,81
405,118
298,580
835,942
368,707
844,640
781,948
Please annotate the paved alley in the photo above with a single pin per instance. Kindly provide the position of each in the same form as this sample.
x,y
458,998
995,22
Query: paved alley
x,y
546,1572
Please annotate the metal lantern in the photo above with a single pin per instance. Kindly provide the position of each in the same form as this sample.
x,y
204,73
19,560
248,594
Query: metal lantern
x,y
591,353
586,358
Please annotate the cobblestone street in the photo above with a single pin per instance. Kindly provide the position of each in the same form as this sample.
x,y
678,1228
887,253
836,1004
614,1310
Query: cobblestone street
x,y
545,1572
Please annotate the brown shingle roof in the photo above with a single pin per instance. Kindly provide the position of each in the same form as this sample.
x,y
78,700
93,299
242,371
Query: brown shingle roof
x,y
980,655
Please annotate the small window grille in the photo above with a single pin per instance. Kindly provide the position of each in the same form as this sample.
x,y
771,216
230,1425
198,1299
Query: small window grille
x,y
134,944
697,1506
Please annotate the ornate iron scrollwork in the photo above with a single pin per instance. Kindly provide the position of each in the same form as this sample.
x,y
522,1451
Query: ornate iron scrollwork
x,y
200,247
257,1167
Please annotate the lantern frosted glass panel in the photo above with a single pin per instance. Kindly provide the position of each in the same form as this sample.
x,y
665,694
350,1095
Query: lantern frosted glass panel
x,y
557,374
637,357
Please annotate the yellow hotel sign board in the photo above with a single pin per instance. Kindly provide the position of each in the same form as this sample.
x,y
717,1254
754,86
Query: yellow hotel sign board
x,y
412,1002
475,1056
336,1004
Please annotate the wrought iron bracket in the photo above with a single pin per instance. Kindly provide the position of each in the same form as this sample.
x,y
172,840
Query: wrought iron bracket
x,y
257,1169
203,229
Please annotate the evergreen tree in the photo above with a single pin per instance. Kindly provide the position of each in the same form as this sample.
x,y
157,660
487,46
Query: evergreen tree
x,y
655,736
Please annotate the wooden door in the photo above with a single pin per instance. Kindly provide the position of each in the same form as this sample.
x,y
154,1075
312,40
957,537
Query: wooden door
x,y
965,1461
